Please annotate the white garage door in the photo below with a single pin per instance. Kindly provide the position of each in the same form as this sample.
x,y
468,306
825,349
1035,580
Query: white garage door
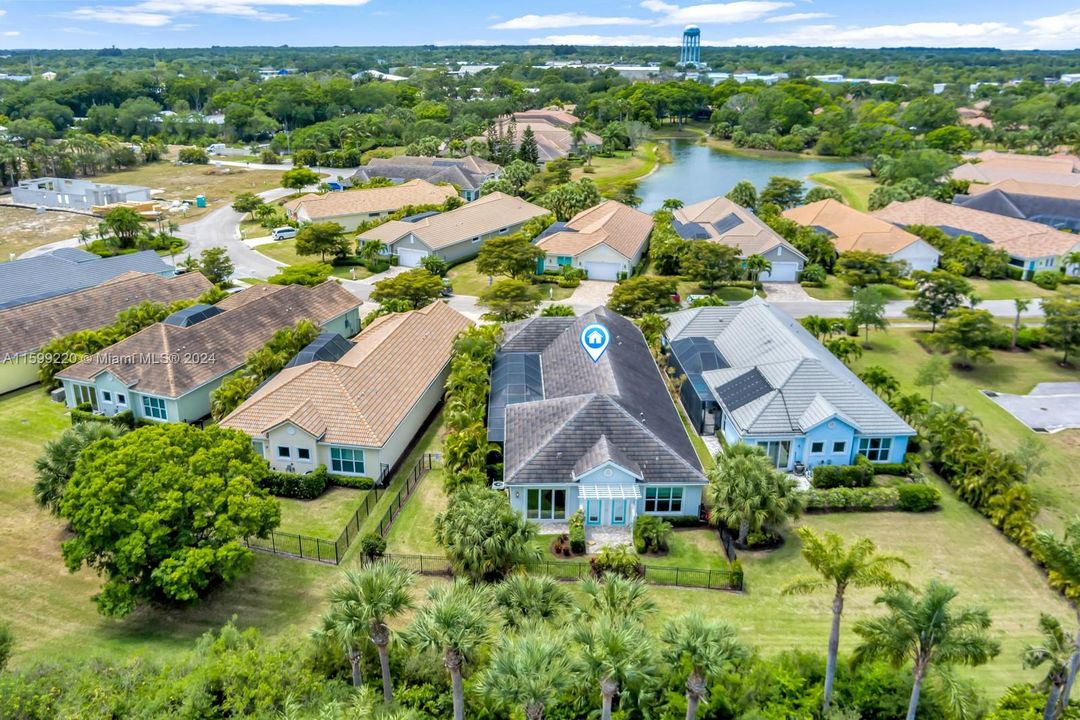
x,y
410,258
602,270
781,272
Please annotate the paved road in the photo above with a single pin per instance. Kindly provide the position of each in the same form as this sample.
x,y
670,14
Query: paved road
x,y
894,309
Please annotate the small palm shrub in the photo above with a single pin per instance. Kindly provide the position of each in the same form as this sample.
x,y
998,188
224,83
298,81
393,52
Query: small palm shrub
x,y
651,534
373,546
618,560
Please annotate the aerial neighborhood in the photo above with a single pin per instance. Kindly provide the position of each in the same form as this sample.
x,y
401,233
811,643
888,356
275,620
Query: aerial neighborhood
x,y
565,376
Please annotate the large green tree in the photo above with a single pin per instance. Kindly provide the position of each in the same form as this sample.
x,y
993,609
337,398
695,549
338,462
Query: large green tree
x,y
299,178
56,464
1062,325
509,300
747,492
417,287
937,294
528,670
968,335
162,513
483,536
1054,650
511,255
321,238
710,263
867,310
783,191
643,294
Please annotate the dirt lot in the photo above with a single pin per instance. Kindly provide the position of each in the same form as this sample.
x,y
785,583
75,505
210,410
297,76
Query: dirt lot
x,y
22,229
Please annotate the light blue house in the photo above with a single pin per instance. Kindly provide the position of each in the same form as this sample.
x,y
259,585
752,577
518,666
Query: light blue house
x,y
755,375
168,371
601,437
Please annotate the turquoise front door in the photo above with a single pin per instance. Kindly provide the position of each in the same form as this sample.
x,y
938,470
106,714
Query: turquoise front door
x,y
593,512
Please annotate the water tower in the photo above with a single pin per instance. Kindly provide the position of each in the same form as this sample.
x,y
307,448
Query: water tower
x,y
691,46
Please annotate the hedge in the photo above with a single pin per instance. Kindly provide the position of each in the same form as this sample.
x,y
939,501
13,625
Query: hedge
x,y
843,476
359,483
124,419
295,485
845,499
918,497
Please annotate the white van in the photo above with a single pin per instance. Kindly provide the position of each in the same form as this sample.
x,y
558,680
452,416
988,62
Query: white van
x,y
283,233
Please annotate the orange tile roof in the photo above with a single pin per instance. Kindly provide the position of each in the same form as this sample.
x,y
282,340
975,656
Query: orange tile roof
x,y
852,230
622,228
1019,187
382,199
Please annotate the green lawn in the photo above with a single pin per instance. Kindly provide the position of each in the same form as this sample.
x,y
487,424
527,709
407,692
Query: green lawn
x,y
854,186
624,167
324,517
686,288
1007,289
690,548
1058,488
837,289
466,280
284,251
50,610
413,530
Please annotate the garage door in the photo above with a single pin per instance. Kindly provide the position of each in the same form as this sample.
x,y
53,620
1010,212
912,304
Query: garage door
x,y
781,272
602,270
410,258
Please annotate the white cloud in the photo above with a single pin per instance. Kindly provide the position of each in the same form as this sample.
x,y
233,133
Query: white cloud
x,y
797,17
3,13
159,13
1054,32
732,12
11,33
620,40
925,34
564,20
72,30
120,16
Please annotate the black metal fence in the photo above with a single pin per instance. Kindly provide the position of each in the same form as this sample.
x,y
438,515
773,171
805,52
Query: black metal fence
x,y
333,551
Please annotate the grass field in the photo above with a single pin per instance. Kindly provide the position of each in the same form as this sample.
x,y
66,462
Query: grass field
x,y
854,186
686,288
467,281
691,548
837,289
22,229
624,167
323,517
1009,289
284,251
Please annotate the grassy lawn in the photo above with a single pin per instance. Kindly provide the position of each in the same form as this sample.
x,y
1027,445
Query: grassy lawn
x,y
22,229
184,182
1058,488
49,608
467,281
1007,289
413,530
284,251
837,289
624,167
323,517
691,548
725,292
250,229
854,186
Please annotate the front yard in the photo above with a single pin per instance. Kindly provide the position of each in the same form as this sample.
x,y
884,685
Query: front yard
x,y
284,251
466,280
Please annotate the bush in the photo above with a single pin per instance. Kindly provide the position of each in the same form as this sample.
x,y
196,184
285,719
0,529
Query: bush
x,y
295,485
577,532
351,481
813,273
1030,338
918,497
736,581
269,157
193,156
617,560
846,499
651,534
372,545
1047,279
901,469
124,419
847,476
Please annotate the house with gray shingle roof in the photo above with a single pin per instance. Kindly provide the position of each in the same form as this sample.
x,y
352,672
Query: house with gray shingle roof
x,y
603,437
753,374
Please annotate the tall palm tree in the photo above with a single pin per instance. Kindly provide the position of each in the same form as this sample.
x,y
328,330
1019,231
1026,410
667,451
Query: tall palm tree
x,y
531,598
706,646
757,264
839,568
1061,556
527,670
456,621
370,597
1021,305
926,631
1055,651
748,492
615,597
616,652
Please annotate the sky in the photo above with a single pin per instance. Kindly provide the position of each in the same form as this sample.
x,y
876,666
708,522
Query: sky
x,y
1007,24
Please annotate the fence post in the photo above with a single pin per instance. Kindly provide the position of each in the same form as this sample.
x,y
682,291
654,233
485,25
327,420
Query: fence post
x,y
273,545
676,577
318,549
300,542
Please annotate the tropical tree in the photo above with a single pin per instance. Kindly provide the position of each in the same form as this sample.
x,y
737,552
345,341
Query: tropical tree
x,y
299,178
838,568
1062,325
56,464
1021,304
710,264
932,373
456,622
757,264
748,492
937,294
1061,556
616,652
1055,651
910,406
844,348
523,599
321,238
926,631
672,204
744,194
511,255
508,300
880,380
247,203
706,646
867,310
527,670
417,287
615,596
968,334
483,536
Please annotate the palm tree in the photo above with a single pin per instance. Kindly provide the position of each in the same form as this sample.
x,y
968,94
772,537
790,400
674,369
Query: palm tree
x,y
370,597
672,204
1061,556
911,406
1055,651
616,651
531,598
456,622
844,348
747,491
615,597
755,265
880,381
926,631
577,134
56,464
1021,306
652,326
706,646
527,670
839,568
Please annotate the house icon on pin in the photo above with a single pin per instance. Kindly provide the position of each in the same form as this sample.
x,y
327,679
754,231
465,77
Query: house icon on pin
x,y
595,338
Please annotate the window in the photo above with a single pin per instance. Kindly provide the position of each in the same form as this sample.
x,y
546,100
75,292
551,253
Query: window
x,y
257,446
121,399
154,408
84,395
564,260
777,450
663,499
503,231
839,447
875,449
345,460
475,240
284,452
817,447
545,504
106,396
303,454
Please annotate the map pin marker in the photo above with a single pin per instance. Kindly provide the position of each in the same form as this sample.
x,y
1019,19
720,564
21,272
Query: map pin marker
x,y
594,338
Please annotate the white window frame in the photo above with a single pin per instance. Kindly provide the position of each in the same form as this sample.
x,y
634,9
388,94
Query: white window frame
x,y
121,399
538,513
842,445
106,396
286,455
300,450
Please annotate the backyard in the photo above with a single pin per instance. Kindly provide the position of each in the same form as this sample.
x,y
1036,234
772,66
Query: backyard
x,y
609,173
284,251
22,229
854,186
466,280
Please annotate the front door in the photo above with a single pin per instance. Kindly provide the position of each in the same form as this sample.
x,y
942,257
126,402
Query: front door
x,y
593,511
618,512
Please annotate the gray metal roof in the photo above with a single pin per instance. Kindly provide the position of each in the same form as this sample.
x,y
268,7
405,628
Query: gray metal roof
x,y
66,270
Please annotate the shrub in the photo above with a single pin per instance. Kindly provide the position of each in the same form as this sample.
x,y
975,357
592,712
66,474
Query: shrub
x,y
901,469
124,419
193,156
617,560
1047,279
651,534
577,532
813,273
736,581
351,481
295,485
372,545
1030,337
269,157
918,497
846,499
847,476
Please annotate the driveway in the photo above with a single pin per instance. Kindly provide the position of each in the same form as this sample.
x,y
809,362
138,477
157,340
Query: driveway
x,y
786,292
588,295
1049,407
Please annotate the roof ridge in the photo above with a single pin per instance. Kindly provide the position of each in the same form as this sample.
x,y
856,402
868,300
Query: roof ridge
x,y
581,400
654,436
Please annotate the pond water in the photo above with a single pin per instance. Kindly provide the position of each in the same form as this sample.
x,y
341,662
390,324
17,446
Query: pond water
x,y
698,171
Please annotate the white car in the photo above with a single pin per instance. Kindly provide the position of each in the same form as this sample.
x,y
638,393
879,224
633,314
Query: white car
x,y
283,233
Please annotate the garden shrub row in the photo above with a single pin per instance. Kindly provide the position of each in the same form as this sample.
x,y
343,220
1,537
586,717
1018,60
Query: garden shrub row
x,y
294,485
914,497
842,476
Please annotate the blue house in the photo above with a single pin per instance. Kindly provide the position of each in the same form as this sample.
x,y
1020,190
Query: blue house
x,y
601,437
754,375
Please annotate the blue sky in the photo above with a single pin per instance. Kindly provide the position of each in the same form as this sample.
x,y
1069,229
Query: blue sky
x,y
1044,24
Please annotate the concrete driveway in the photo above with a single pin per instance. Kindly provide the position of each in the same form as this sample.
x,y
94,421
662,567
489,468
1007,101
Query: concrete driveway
x,y
786,292
1048,408
588,295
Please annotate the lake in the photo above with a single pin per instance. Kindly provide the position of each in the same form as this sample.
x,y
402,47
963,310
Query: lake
x,y
698,171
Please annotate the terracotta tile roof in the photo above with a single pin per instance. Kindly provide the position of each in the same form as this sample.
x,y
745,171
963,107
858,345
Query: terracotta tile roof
x,y
383,199
251,317
551,129
746,232
622,228
993,166
361,398
27,327
1019,187
480,217
1019,238
851,229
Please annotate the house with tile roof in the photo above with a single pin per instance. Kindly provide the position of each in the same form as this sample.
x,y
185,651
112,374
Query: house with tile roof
x,y
719,220
753,374
603,437
25,328
357,410
350,208
991,166
66,270
454,235
607,241
467,173
1055,205
551,128
166,372
1031,246
848,229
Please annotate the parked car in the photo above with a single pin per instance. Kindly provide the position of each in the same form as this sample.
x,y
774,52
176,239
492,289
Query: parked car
x,y
283,233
